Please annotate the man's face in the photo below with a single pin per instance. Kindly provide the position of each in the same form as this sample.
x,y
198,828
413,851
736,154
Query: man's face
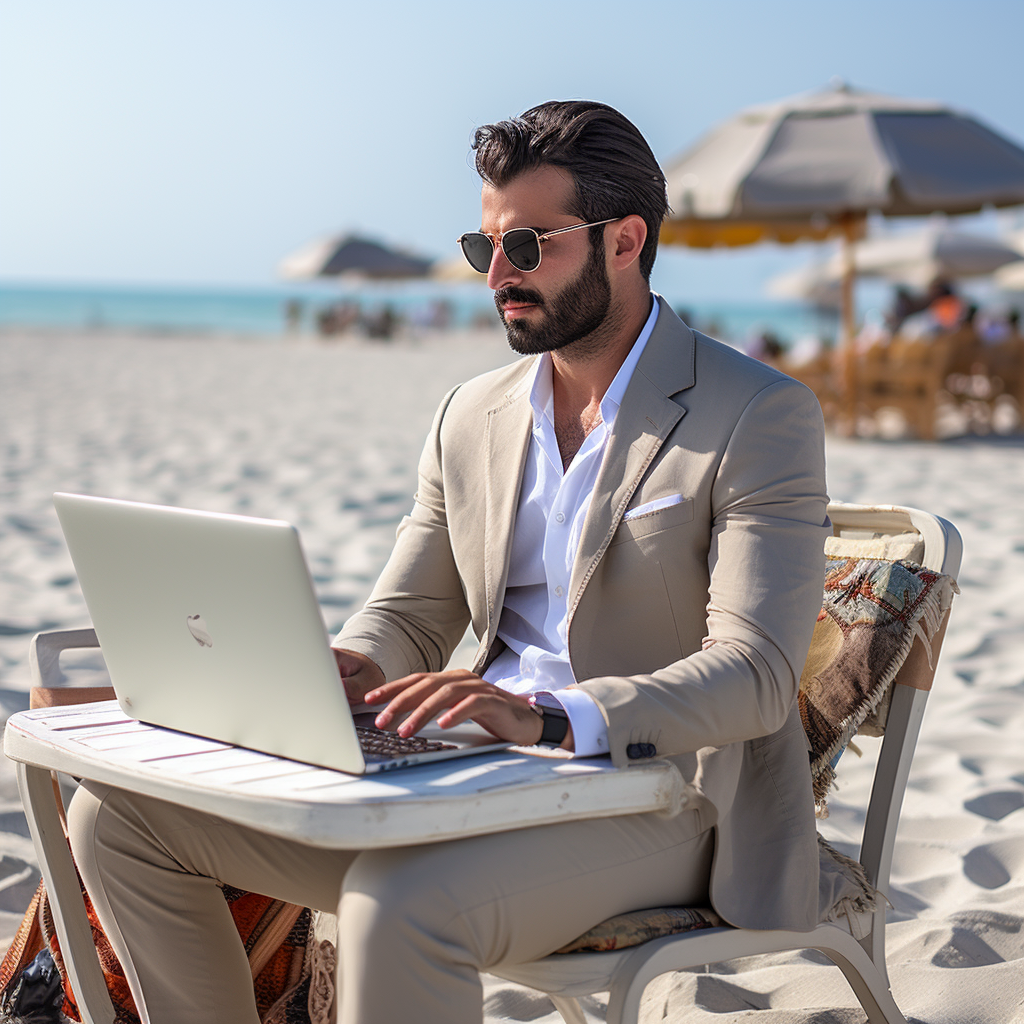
x,y
568,296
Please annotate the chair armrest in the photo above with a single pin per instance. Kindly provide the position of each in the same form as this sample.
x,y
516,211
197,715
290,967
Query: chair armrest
x,y
45,650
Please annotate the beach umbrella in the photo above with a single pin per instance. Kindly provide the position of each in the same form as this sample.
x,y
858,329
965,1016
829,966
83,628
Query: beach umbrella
x,y
456,269
793,169
352,255
1011,277
815,284
816,165
916,258
921,257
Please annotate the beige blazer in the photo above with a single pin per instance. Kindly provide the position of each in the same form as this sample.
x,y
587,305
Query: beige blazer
x,y
688,625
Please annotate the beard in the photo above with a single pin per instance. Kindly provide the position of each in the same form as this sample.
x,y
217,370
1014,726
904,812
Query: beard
x,y
576,313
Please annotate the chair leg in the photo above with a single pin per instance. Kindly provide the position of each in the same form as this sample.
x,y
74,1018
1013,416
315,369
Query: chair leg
x,y
62,887
869,986
625,1010
569,1008
627,989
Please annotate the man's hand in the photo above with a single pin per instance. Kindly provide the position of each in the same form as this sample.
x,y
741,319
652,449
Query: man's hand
x,y
358,674
453,697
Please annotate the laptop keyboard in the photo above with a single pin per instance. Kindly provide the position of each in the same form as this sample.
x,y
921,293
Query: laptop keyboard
x,y
378,743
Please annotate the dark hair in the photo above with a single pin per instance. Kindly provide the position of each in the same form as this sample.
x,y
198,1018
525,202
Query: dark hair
x,y
614,169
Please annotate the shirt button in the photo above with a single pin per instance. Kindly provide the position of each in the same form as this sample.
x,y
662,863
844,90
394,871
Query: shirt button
x,y
559,591
559,517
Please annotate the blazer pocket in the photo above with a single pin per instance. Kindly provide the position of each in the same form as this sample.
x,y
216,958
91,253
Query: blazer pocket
x,y
654,522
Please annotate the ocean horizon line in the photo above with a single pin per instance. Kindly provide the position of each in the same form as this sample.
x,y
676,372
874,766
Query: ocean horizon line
x,y
280,308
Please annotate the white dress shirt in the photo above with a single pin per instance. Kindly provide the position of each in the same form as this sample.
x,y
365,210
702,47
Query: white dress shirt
x,y
553,504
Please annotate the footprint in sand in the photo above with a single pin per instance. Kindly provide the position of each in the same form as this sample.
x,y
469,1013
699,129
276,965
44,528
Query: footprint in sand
x,y
992,865
981,937
996,805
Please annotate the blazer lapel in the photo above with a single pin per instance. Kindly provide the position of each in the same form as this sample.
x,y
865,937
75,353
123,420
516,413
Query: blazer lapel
x,y
509,428
645,418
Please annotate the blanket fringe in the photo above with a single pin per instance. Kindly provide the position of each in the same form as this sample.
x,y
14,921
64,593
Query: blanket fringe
x,y
924,627
852,907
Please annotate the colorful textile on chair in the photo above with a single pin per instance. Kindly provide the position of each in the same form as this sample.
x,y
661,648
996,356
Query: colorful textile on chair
x,y
37,932
873,612
641,926
275,935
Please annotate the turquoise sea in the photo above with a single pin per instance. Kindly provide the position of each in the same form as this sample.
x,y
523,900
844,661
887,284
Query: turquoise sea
x,y
264,311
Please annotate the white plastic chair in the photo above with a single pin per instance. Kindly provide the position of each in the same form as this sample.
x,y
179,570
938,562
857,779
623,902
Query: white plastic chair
x,y
935,543
624,974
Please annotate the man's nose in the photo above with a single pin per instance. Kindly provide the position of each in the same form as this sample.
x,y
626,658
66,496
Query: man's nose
x,y
501,273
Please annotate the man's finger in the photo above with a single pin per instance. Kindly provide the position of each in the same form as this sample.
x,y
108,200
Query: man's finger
x,y
358,674
429,701
386,691
409,692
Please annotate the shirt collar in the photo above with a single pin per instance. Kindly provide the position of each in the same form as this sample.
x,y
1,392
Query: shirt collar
x,y
542,395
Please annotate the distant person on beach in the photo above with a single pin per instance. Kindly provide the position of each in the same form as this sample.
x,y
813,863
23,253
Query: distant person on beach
x,y
768,348
946,308
905,303
293,312
631,518
939,311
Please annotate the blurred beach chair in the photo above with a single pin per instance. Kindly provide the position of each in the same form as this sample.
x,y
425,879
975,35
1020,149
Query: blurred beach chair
x,y
820,374
908,374
958,369
615,958
923,377
985,376
854,937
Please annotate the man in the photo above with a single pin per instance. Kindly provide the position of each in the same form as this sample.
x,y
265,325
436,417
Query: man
x,y
632,520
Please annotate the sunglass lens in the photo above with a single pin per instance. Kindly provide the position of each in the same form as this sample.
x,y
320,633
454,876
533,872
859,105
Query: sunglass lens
x,y
478,250
522,249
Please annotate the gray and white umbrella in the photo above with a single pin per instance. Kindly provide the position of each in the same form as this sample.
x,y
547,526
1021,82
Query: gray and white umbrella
x,y
915,258
815,283
921,257
815,158
1011,277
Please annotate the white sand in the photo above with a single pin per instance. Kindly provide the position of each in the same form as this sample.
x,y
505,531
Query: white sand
x,y
328,437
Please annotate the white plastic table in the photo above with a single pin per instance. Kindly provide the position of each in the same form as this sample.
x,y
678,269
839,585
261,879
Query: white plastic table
x,y
463,797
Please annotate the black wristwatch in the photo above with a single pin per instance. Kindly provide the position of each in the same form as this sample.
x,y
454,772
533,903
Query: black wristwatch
x,y
555,723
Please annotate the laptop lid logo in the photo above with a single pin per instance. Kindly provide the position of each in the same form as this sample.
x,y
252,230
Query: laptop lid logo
x,y
198,629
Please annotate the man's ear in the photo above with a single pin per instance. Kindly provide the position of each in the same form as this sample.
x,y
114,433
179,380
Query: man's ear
x,y
627,240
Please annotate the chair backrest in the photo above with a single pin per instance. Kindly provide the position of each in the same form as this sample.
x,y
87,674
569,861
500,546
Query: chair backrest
x,y
937,543
889,531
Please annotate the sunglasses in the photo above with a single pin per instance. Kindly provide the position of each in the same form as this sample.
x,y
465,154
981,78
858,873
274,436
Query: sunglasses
x,y
521,246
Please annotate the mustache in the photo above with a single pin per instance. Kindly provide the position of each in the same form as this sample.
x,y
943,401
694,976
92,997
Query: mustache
x,y
512,294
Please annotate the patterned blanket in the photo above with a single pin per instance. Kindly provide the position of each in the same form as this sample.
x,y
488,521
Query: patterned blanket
x,y
874,610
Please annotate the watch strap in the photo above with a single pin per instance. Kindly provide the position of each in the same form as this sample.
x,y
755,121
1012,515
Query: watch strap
x,y
555,726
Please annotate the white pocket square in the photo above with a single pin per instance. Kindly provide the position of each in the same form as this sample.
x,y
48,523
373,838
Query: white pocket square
x,y
654,506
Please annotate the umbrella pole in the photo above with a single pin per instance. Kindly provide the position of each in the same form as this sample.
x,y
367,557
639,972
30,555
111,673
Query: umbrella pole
x,y
852,229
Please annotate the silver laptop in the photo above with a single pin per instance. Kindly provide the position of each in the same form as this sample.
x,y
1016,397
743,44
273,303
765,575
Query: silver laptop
x,y
209,625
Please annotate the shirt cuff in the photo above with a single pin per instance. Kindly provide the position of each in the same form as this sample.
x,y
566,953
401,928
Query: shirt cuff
x,y
589,730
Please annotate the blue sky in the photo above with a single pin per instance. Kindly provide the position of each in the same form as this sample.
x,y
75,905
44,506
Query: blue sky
x,y
199,141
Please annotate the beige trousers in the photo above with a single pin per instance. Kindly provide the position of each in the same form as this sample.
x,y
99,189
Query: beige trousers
x,y
417,924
